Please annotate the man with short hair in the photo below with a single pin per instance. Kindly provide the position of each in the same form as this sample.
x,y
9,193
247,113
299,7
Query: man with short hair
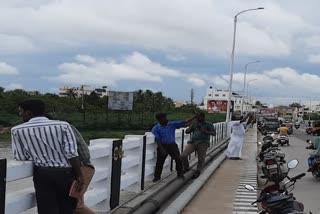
x,y
51,146
201,131
164,133
87,169
283,130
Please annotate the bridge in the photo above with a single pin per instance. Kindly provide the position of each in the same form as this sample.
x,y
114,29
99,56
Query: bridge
x,y
124,171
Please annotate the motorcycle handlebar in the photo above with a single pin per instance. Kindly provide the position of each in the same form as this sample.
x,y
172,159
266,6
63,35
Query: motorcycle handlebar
x,y
297,177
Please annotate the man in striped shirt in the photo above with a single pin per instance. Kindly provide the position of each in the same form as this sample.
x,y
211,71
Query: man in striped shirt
x,y
51,146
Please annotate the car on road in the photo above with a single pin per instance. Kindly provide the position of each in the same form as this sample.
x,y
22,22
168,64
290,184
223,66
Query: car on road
x,y
269,125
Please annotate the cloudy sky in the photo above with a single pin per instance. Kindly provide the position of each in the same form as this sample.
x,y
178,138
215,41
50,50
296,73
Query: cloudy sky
x,y
168,45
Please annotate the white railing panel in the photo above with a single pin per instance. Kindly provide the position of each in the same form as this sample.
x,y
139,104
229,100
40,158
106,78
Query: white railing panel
x,y
18,170
20,201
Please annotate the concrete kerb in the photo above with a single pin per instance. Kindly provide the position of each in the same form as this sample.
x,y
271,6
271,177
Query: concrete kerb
x,y
178,205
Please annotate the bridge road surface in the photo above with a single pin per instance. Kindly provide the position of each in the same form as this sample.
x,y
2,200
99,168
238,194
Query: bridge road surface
x,y
307,189
224,191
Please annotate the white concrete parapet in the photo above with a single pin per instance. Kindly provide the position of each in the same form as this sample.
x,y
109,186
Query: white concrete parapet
x,y
22,198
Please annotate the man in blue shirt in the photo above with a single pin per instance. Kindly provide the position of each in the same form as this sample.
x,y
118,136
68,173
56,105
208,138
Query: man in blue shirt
x,y
164,133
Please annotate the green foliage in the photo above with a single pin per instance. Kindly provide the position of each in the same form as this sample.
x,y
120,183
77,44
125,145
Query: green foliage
x,y
186,108
95,118
313,116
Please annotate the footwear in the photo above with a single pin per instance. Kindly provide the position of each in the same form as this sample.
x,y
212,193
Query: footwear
x,y
186,170
196,175
309,170
155,180
235,158
181,177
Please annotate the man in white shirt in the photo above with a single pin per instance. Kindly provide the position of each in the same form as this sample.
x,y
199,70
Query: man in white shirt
x,y
51,146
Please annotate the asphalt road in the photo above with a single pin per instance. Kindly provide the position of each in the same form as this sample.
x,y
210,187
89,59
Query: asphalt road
x,y
307,189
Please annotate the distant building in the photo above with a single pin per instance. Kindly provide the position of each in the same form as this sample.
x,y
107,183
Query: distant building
x,y
216,100
285,110
32,93
180,103
83,89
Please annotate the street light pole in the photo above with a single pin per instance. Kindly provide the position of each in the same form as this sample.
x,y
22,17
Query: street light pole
x,y
244,83
248,87
232,60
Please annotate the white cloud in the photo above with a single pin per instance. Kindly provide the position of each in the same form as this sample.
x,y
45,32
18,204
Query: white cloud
x,y
7,69
202,27
85,59
279,83
14,86
176,57
196,81
12,44
315,59
133,67
312,42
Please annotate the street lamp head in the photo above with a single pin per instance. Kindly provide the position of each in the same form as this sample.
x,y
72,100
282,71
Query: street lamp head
x,y
260,8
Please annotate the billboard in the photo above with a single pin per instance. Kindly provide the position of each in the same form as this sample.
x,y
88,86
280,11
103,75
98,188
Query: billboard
x,y
267,111
217,106
120,100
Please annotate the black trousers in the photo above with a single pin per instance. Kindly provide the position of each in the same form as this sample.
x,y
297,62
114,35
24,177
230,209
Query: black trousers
x,y
173,150
52,187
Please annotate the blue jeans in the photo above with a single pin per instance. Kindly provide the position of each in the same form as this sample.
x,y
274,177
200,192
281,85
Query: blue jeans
x,y
310,159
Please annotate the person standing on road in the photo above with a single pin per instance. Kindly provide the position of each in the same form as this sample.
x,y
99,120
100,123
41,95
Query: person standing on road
x,y
238,132
165,138
201,131
51,146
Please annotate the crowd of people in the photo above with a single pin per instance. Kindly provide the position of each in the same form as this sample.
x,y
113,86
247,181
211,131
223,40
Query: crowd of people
x,y
61,158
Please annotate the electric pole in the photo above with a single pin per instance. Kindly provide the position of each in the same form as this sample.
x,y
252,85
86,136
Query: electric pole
x,y
192,96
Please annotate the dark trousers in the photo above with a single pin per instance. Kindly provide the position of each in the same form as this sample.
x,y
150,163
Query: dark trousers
x,y
173,150
52,187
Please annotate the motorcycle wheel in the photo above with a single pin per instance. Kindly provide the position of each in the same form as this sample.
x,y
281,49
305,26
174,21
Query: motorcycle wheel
x,y
315,174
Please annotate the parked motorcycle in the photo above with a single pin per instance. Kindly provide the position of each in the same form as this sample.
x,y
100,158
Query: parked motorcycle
x,y
283,140
272,161
309,130
279,200
315,168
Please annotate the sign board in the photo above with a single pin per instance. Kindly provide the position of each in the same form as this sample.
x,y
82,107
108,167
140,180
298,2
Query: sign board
x,y
267,111
217,106
120,100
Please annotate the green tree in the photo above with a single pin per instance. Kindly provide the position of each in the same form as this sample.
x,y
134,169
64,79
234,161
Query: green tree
x,y
295,105
71,92
258,103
